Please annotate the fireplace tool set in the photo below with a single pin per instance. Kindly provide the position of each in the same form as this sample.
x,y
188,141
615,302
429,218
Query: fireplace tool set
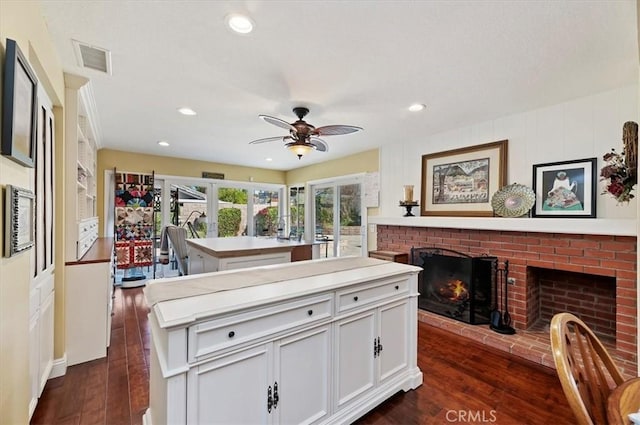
x,y
500,320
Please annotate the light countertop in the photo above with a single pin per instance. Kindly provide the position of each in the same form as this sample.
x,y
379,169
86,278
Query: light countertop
x,y
246,244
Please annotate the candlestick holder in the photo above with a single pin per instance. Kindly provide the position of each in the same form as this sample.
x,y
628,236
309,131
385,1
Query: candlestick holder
x,y
408,205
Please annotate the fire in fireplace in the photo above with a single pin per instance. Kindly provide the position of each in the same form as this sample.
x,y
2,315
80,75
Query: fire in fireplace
x,y
454,284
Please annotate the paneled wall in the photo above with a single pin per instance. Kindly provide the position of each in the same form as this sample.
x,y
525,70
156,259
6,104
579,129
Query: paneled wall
x,y
582,128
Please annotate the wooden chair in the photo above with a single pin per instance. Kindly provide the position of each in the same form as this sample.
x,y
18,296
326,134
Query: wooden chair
x,y
585,368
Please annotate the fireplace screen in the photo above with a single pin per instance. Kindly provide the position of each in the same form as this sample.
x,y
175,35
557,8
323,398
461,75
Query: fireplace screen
x,y
455,285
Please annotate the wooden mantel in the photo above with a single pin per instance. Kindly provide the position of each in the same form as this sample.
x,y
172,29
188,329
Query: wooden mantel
x,y
583,226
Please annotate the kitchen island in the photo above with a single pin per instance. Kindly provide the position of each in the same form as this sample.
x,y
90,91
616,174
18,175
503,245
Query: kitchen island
x,y
320,341
217,254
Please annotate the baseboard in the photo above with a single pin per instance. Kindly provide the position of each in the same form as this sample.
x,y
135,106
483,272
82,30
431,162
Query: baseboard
x,y
32,407
59,367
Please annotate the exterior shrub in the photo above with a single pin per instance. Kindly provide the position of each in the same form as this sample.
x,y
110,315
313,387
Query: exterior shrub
x,y
229,221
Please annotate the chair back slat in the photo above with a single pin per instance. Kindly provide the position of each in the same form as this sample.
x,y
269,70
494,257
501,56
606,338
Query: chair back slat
x,y
586,371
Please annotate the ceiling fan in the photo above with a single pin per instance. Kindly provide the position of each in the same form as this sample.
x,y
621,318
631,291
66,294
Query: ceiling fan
x,y
303,137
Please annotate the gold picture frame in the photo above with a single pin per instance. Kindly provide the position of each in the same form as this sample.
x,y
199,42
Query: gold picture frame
x,y
460,182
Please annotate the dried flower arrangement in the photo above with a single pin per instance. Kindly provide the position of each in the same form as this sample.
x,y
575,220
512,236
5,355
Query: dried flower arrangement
x,y
620,172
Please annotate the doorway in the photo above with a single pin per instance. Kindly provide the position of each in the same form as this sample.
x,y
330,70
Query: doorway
x,y
337,216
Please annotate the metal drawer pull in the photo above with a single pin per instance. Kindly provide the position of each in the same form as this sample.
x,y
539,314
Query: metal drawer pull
x,y
355,298
397,287
232,334
310,312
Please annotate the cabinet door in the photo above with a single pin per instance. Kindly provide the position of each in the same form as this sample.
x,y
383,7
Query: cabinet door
x,y
196,262
354,371
394,325
231,389
199,262
302,368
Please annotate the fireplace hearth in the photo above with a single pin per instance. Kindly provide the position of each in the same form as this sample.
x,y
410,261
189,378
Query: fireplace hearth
x,y
613,257
455,285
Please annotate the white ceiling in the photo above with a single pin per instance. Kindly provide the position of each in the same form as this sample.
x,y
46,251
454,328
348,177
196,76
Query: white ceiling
x,y
353,62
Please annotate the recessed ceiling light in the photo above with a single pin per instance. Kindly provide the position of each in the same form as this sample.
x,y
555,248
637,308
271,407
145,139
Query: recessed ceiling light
x,y
163,143
240,23
417,107
268,159
186,111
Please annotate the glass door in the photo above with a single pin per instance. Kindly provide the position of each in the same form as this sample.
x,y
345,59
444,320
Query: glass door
x,y
296,212
350,219
189,209
337,216
324,201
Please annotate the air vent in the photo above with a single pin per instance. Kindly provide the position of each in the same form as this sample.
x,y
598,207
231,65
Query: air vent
x,y
92,57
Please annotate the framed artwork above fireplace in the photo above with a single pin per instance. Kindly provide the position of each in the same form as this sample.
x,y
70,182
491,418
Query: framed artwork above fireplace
x,y
460,182
565,189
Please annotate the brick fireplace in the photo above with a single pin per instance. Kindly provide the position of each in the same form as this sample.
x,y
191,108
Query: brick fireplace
x,y
593,276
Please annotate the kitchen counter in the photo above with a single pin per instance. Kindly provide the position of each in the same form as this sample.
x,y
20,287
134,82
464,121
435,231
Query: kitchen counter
x,y
322,341
243,245
217,254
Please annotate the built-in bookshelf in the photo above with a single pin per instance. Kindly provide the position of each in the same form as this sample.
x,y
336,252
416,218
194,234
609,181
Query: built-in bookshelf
x,y
80,215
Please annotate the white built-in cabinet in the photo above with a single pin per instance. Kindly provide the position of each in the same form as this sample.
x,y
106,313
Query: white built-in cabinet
x,y
88,259
81,222
89,303
319,349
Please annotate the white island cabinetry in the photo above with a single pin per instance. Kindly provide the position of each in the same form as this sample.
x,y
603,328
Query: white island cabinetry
x,y
316,342
219,254
382,327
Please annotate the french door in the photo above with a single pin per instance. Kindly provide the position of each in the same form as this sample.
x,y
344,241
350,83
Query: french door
x,y
218,209
338,217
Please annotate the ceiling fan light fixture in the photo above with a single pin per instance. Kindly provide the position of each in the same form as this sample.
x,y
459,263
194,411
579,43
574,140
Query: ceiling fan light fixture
x,y
304,137
300,149
240,23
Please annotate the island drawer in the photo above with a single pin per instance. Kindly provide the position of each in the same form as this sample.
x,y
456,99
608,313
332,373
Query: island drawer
x,y
208,337
358,296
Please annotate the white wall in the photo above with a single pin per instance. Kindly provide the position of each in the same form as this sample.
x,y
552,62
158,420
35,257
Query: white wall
x,y
582,128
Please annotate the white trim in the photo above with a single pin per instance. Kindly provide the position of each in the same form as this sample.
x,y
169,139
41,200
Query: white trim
x,y
91,111
109,203
33,403
59,367
359,177
581,226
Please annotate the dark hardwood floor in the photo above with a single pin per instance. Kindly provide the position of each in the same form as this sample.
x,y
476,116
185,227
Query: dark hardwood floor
x,y
464,382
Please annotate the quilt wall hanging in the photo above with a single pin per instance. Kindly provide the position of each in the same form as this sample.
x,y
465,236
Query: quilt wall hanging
x,y
134,230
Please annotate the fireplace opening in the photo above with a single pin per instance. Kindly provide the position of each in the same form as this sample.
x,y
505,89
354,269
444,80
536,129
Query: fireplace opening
x,y
590,297
454,284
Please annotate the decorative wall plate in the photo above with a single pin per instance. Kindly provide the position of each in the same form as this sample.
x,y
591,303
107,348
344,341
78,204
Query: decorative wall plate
x,y
513,200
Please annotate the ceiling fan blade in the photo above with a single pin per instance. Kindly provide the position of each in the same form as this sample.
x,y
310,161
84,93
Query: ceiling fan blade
x,y
319,144
277,122
336,130
267,139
